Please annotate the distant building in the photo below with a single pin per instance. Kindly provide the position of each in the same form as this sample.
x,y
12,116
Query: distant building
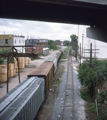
x,y
58,43
43,42
37,45
62,43
13,40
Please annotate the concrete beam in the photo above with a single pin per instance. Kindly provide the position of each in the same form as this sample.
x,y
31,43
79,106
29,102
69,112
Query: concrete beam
x,y
97,33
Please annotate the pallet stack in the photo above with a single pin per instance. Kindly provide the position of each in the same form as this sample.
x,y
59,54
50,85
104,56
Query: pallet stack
x,y
15,65
29,60
26,60
3,73
21,62
12,70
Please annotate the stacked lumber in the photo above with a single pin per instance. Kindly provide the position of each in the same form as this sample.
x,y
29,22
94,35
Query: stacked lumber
x,y
21,62
3,73
12,70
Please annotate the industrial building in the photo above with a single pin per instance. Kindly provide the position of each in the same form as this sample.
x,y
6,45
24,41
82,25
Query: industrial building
x,y
13,40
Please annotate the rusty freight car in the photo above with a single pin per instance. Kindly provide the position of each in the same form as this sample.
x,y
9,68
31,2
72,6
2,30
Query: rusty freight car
x,y
45,70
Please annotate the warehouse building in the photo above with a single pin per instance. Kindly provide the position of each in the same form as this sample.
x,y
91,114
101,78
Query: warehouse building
x,y
13,40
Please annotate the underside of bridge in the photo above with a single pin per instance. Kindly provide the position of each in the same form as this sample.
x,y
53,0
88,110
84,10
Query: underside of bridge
x,y
85,12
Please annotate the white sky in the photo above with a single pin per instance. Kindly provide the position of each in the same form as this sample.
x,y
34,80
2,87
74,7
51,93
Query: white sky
x,y
37,29
51,31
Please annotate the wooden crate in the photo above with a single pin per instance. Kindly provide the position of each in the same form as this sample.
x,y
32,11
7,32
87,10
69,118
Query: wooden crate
x,y
3,78
26,60
29,60
3,69
15,63
11,73
16,70
21,65
21,60
0,77
11,66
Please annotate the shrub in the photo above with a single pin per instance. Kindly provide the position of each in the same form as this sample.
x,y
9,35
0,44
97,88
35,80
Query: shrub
x,y
1,60
94,75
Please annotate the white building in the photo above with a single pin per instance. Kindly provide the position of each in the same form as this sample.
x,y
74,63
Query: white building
x,y
13,40
96,44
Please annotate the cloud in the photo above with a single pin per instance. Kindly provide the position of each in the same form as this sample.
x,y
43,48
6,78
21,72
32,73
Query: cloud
x,y
37,29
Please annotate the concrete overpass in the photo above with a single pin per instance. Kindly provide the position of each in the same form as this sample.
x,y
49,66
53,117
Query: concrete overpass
x,y
85,12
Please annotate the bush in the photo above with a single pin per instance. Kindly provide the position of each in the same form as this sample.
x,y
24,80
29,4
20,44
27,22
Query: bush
x,y
94,75
52,45
56,80
65,53
85,94
102,96
3,51
1,61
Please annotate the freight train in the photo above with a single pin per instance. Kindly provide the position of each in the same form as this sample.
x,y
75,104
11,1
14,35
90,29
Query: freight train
x,y
24,101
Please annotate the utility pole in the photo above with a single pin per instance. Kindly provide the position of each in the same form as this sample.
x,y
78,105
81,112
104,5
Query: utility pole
x,y
82,43
84,51
90,54
80,53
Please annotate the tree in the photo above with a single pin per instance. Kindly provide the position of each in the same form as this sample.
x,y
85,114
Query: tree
x,y
66,43
51,45
58,40
74,43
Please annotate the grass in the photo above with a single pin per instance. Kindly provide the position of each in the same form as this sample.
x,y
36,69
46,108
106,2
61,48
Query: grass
x,y
56,81
35,58
58,48
61,61
65,53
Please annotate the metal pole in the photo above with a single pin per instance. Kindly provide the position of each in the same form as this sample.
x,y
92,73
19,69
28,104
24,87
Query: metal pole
x,y
80,53
84,51
90,54
82,43
18,68
7,72
32,46
95,50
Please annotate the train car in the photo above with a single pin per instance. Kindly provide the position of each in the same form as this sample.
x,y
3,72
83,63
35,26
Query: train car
x,y
54,60
24,101
45,70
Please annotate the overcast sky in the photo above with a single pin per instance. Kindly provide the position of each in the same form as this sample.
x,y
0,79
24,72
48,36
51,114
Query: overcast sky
x,y
37,29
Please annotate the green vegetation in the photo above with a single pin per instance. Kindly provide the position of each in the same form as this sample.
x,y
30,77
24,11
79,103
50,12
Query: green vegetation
x,y
74,43
66,43
1,52
1,61
52,45
93,77
4,50
61,61
85,94
65,53
56,80
102,97
35,58
58,48
12,60
58,40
